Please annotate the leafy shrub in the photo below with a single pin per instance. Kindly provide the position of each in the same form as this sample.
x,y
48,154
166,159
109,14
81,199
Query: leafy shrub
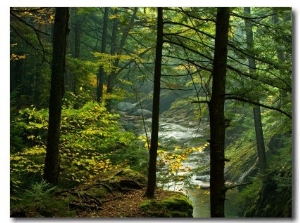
x,y
269,195
275,196
26,167
247,197
170,164
91,142
39,201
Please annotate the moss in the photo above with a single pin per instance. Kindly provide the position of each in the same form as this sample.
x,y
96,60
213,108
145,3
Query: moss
x,y
176,205
97,192
129,174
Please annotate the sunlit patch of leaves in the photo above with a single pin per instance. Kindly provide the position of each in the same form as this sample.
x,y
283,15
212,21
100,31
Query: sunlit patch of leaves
x,y
172,163
91,142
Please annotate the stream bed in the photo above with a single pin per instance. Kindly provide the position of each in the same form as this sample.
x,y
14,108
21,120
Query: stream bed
x,y
195,185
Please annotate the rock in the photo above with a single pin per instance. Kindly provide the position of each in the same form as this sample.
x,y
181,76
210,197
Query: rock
x,y
174,204
129,175
205,178
204,186
144,112
129,126
125,106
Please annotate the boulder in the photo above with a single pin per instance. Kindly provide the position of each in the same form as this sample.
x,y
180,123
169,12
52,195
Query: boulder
x,y
173,204
125,106
146,113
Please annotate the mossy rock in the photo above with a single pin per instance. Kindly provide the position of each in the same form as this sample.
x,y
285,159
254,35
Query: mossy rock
x,y
98,191
128,174
175,205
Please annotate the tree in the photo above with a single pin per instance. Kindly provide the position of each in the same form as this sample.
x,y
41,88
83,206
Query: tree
x,y
30,53
117,49
282,51
155,114
51,171
216,113
101,73
256,109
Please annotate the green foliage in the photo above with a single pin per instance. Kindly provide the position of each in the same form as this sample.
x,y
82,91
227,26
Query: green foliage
x,y
247,196
107,61
170,163
26,167
269,195
91,142
28,136
243,158
91,139
39,201
28,128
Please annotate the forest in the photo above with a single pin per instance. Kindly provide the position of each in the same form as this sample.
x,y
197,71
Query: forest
x,y
144,112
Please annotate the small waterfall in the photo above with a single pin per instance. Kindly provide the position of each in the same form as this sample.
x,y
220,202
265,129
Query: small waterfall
x,y
244,174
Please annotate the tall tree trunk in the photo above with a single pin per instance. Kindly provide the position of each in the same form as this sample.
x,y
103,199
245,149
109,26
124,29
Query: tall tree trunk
x,y
77,34
216,111
77,43
51,171
155,114
111,76
38,86
101,73
117,50
280,55
260,145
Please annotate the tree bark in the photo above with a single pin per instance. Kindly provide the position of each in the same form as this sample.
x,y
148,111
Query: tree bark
x,y
77,34
216,111
51,171
77,44
117,50
155,114
111,76
280,56
260,145
101,73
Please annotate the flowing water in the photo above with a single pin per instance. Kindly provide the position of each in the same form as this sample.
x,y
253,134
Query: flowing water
x,y
195,185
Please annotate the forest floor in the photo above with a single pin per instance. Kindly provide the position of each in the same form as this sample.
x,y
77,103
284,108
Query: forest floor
x,y
119,194
123,205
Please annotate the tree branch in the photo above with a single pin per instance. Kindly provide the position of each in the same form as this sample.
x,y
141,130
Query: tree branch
x,y
27,24
37,32
229,187
234,97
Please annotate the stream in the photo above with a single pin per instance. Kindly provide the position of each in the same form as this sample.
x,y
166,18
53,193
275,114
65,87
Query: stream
x,y
195,184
